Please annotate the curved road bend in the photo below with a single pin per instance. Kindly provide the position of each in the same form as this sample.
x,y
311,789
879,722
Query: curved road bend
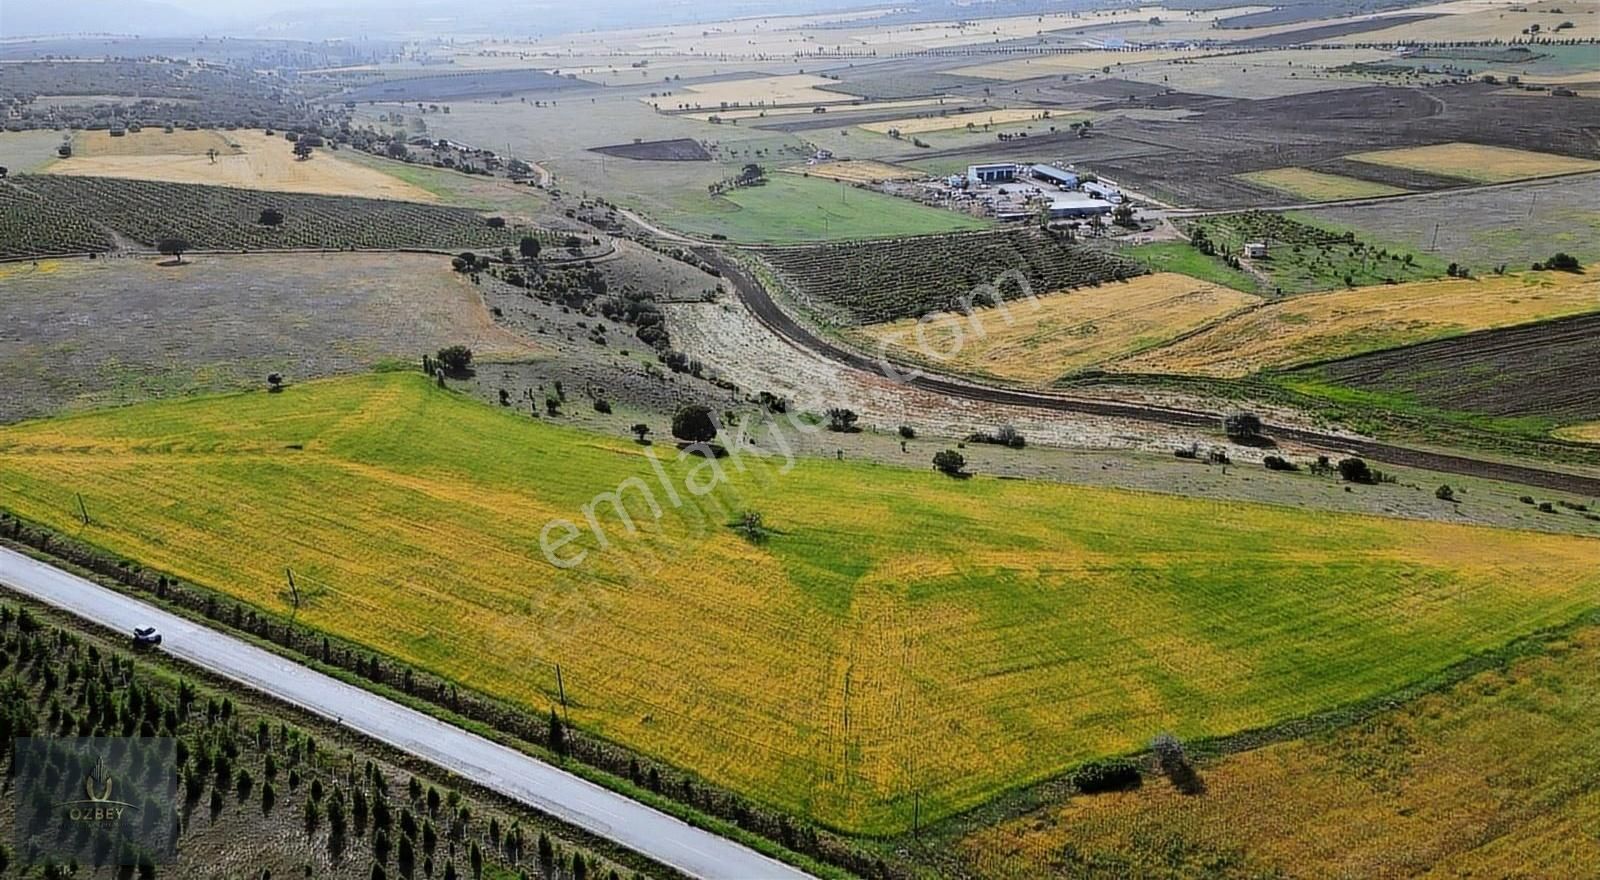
x,y
500,769
760,302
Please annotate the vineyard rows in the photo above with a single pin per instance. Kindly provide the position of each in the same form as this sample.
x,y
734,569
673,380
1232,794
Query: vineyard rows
x,y
872,282
226,218
32,226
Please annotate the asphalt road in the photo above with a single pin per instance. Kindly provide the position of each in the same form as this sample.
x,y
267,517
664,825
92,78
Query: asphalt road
x,y
495,767
756,298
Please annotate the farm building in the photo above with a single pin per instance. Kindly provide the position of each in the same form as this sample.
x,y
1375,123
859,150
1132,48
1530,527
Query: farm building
x,y
1068,206
1000,172
1103,191
1255,250
1051,174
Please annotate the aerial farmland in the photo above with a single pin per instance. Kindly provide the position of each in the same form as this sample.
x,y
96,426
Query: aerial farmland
x,y
1001,440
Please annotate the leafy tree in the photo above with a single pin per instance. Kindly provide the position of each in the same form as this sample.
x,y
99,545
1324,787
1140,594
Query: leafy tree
x,y
640,432
1354,470
456,358
1242,426
173,247
1445,493
556,734
270,217
529,247
951,462
302,150
694,424
907,432
842,420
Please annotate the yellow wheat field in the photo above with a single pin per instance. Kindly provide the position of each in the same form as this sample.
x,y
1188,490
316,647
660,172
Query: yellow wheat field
x,y
1492,777
797,88
1478,162
1319,186
901,637
858,171
248,159
1035,341
1587,433
853,107
979,118
1340,323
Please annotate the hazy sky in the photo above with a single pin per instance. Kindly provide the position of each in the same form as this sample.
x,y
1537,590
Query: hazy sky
x,y
354,18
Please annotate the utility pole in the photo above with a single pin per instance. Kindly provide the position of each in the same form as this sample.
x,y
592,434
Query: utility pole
x,y
294,592
1435,246
561,689
83,512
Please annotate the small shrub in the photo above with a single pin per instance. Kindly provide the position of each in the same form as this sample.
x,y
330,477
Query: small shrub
x,y
907,432
1445,493
1278,463
1106,774
455,359
1546,507
1242,426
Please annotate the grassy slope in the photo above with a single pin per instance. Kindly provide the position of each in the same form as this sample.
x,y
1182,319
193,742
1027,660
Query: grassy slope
x,y
789,208
1493,777
1180,257
902,632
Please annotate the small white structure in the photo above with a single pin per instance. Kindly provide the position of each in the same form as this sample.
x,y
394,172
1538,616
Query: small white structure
x,y
999,172
1255,250
1103,191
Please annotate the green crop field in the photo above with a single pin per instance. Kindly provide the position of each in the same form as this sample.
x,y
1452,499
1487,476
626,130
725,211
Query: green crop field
x,y
898,637
791,208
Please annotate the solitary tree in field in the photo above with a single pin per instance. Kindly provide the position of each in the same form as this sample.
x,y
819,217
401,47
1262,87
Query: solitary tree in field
x,y
640,432
302,150
950,462
694,424
172,247
529,247
456,358
1242,426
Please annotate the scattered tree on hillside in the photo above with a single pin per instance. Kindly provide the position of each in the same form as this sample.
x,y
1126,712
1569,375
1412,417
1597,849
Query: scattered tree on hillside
x,y
1354,470
1560,262
694,424
456,358
842,420
1242,426
641,431
302,150
950,462
173,247
270,217
529,247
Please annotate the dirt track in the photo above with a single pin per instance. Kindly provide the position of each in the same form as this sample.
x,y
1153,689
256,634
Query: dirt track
x,y
756,298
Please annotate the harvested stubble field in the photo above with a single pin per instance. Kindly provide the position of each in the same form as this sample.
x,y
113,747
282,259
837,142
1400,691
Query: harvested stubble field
x,y
762,91
1319,186
223,323
1337,324
1037,341
1546,371
858,171
228,218
1476,162
874,282
944,654
982,119
1491,777
248,159
1069,62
